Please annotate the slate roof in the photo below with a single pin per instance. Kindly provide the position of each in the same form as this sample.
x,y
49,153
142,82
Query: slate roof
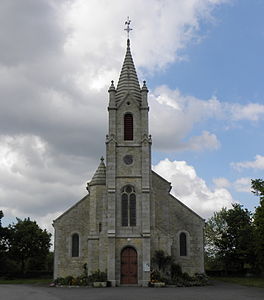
x,y
128,80
99,177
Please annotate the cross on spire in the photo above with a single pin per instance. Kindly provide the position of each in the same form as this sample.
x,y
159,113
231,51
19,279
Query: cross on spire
x,y
127,29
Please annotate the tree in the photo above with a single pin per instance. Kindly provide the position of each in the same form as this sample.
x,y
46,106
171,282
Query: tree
x,y
239,238
257,186
28,241
215,230
3,236
1,216
4,246
228,236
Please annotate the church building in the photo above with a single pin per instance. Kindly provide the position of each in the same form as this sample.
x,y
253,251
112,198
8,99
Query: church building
x,y
128,212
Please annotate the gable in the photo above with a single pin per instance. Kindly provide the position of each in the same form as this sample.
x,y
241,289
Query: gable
x,y
80,205
161,184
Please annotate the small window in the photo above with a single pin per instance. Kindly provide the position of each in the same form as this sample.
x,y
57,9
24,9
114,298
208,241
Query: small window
x,y
128,127
75,245
183,244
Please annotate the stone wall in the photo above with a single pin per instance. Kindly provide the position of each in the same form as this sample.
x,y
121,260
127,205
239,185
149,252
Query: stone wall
x,y
171,218
75,220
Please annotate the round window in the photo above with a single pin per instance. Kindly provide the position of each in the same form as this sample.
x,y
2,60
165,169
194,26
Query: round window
x,y
128,159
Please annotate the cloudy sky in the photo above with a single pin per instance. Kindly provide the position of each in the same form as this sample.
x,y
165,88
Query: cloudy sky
x,y
203,62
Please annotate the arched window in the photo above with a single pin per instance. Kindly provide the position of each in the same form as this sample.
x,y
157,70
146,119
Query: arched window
x,y
132,210
124,209
183,244
75,245
128,203
128,127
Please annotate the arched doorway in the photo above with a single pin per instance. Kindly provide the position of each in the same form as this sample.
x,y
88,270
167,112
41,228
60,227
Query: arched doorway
x,y
129,266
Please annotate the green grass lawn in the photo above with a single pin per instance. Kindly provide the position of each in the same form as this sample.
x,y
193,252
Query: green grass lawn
x,y
26,281
248,281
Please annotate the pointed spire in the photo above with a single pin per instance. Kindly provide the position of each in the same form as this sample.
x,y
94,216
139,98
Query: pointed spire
x,y
99,177
128,80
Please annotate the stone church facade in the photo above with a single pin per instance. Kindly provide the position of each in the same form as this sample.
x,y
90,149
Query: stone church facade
x,y
128,212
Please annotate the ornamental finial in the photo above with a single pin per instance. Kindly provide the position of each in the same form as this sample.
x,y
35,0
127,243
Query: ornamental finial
x,y
127,29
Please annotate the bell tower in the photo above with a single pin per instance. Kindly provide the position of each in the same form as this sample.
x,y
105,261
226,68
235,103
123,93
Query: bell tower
x,y
128,170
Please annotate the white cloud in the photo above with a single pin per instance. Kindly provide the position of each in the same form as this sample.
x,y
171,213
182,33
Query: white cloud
x,y
36,182
251,112
258,163
191,189
205,141
243,185
56,60
166,27
181,113
221,182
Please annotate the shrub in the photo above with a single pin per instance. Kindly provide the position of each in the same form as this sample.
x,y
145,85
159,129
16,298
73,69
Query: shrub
x,y
82,280
175,270
98,276
167,271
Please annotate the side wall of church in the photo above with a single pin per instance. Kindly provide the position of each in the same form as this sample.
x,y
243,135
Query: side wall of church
x,y
75,220
170,218
182,219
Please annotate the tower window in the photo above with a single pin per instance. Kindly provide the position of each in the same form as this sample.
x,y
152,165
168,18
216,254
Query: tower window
x,y
124,209
75,245
183,244
132,209
128,203
128,127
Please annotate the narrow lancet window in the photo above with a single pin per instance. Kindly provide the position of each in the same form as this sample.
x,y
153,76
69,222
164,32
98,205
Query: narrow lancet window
x,y
183,244
128,127
128,203
75,245
132,209
124,210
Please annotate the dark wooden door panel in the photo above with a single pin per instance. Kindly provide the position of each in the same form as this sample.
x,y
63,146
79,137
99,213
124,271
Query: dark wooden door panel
x,y
129,266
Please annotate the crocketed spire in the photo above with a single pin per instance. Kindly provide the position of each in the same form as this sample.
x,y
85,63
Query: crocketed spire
x,y
128,81
99,177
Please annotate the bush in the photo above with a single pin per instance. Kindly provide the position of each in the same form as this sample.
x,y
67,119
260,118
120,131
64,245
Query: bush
x,y
175,270
82,280
167,271
98,276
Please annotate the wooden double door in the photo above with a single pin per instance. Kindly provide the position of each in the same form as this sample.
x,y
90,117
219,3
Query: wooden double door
x,y
129,266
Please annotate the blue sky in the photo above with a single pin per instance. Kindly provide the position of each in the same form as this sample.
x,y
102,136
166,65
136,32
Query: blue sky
x,y
203,62
227,63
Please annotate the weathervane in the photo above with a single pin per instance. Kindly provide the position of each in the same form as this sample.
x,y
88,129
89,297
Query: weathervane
x,y
127,29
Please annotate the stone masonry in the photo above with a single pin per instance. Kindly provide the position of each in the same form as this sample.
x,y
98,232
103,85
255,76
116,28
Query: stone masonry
x,y
125,189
